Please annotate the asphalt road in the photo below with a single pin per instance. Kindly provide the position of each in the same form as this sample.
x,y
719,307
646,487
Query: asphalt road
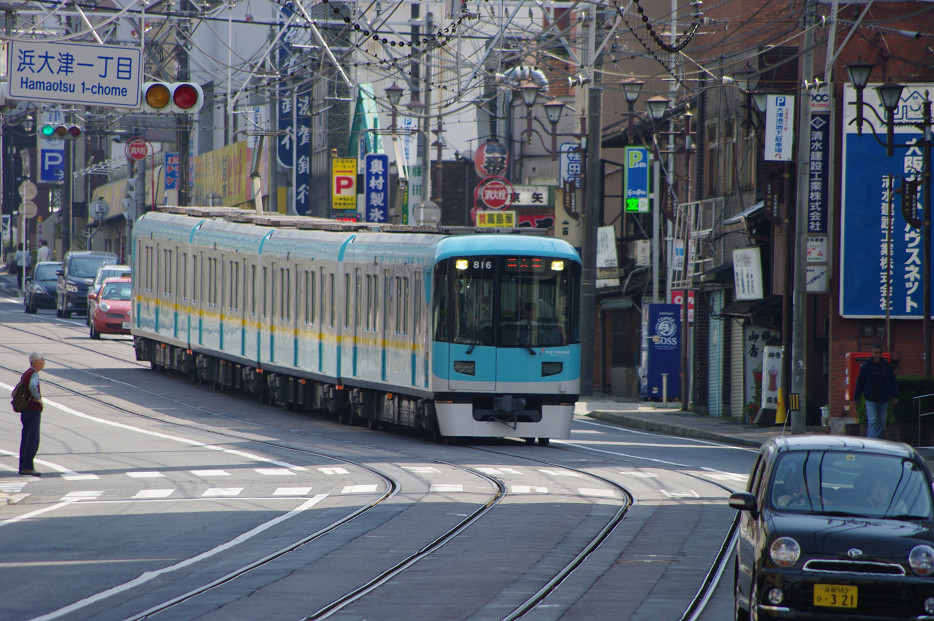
x,y
167,499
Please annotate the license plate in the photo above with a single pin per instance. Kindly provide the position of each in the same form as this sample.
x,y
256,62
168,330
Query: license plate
x,y
835,595
126,325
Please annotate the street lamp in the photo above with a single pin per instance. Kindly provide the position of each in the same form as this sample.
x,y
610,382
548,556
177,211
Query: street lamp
x,y
553,110
394,95
631,89
890,94
657,106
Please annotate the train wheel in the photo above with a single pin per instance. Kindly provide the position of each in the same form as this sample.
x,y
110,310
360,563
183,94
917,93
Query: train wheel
x,y
374,424
529,440
543,442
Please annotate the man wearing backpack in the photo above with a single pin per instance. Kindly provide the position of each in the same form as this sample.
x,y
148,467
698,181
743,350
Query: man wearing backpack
x,y
31,416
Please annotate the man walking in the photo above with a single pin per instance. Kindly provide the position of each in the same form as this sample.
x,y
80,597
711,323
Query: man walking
x,y
31,416
876,382
22,262
44,253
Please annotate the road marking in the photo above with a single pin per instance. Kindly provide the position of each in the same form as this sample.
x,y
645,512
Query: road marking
x,y
210,473
495,471
599,493
145,475
672,493
334,470
359,489
273,472
445,487
222,491
26,516
529,489
154,493
422,469
638,475
292,491
79,495
151,575
560,473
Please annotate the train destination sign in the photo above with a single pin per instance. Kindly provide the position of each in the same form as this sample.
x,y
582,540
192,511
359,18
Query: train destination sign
x,y
75,73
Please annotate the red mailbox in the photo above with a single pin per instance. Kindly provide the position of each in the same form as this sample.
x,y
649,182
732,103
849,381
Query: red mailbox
x,y
853,361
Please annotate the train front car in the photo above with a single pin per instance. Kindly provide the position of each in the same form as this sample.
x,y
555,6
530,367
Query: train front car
x,y
506,345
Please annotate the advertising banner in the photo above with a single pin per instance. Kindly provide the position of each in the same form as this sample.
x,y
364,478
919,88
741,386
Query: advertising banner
x,y
376,187
637,180
866,254
779,128
344,183
661,353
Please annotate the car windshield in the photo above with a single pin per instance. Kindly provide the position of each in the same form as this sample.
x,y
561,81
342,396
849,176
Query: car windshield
x,y
46,272
86,267
850,483
117,291
109,272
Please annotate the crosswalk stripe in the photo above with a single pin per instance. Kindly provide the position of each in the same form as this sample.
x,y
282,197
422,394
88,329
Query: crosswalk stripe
x,y
359,489
145,475
275,471
292,491
154,493
79,495
210,473
223,491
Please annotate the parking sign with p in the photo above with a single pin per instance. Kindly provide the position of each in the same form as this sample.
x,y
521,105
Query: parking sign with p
x,y
344,183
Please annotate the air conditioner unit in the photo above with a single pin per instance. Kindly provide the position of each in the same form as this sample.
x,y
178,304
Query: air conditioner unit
x,y
640,252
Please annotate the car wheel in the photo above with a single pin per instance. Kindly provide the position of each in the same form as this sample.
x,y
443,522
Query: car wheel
x,y
66,314
739,613
94,333
58,307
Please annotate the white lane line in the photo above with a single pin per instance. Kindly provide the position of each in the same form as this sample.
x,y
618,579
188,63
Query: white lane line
x,y
275,472
157,434
422,469
292,491
32,514
663,435
145,475
151,575
445,487
222,491
560,473
210,473
153,493
359,489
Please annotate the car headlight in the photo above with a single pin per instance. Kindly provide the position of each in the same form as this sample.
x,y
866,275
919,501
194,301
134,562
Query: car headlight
x,y
785,551
70,288
104,306
36,288
921,559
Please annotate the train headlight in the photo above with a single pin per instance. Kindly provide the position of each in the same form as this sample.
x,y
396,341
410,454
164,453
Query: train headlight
x,y
461,264
557,266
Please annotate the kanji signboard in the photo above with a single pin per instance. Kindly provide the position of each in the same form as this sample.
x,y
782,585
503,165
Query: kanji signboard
x,y
344,183
76,73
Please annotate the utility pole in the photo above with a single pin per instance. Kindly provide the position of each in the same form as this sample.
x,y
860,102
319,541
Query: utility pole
x,y
183,121
802,153
593,202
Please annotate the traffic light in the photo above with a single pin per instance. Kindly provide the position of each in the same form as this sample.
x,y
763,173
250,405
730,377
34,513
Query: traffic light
x,y
172,97
129,203
62,132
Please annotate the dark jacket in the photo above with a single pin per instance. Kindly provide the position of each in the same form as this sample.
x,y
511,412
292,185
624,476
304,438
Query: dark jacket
x,y
876,382
35,405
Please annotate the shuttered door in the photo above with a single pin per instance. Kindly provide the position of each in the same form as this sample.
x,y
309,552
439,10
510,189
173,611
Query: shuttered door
x,y
736,366
715,355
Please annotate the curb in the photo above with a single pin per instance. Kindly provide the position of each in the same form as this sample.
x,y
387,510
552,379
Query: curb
x,y
673,429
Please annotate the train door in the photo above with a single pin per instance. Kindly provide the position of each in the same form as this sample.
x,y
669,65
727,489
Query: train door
x,y
385,325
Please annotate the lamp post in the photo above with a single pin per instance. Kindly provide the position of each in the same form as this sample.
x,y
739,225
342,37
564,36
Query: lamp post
x,y
890,94
631,89
394,95
553,110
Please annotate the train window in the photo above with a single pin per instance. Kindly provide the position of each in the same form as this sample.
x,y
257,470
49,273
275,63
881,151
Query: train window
x,y
265,280
285,293
309,295
387,300
194,278
252,285
472,320
439,302
417,325
332,301
149,268
358,296
235,286
402,304
347,304
183,274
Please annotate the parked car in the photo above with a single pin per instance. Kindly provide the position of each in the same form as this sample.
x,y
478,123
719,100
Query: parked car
x,y
112,312
79,267
105,272
39,288
835,527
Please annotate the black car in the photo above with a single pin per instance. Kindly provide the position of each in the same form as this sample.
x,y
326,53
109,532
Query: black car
x,y
835,527
39,287
79,267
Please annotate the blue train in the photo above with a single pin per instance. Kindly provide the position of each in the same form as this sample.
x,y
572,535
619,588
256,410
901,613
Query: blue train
x,y
463,335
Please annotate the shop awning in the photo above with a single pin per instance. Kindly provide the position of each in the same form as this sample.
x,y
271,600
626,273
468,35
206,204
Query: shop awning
x,y
750,308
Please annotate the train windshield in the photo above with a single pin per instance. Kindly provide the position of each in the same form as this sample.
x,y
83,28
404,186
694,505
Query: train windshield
x,y
507,301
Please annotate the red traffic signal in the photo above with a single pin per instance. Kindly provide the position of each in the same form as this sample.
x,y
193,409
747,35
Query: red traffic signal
x,y
172,97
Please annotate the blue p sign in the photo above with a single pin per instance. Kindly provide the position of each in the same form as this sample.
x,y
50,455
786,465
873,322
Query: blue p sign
x,y
637,180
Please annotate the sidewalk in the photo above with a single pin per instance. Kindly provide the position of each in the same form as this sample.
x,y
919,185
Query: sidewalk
x,y
651,416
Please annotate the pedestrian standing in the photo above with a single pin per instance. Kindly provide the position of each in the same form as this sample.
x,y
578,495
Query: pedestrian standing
x,y
31,417
876,382
22,262
44,253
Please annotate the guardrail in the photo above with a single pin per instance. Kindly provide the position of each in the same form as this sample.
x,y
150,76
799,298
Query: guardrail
x,y
918,399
